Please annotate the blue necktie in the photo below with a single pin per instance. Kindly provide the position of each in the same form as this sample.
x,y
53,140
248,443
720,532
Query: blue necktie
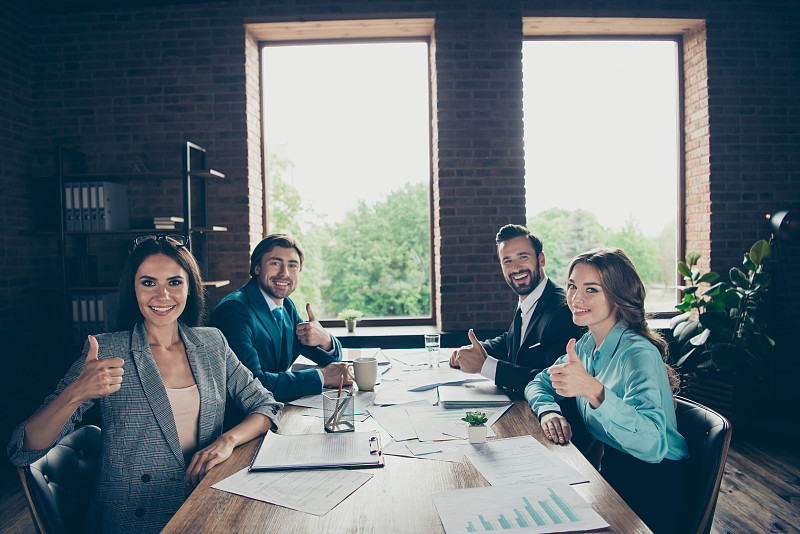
x,y
278,314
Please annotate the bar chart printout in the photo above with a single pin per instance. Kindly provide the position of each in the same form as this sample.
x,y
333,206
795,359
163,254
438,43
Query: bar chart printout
x,y
541,508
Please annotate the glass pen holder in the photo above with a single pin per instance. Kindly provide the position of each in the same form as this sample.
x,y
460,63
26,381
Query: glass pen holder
x,y
338,411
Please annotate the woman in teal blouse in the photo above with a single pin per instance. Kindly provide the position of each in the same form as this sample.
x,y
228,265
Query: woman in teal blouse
x,y
622,386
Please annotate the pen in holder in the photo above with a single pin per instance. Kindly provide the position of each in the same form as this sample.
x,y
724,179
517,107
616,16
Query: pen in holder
x,y
338,411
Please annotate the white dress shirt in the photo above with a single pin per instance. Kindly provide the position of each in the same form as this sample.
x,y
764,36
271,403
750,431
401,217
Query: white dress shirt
x,y
527,304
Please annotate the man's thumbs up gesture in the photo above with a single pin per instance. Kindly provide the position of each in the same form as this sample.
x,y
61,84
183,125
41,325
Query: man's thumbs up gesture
x,y
469,358
570,379
311,333
98,378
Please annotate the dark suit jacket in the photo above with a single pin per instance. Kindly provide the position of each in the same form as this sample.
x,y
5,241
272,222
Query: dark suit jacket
x,y
544,342
252,332
140,481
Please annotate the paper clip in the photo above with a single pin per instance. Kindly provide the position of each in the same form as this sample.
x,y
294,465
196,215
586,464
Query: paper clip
x,y
374,445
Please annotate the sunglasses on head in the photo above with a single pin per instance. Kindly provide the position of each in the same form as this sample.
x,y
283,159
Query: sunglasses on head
x,y
175,239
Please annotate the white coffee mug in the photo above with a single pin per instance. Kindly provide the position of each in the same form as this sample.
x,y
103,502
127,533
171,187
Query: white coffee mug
x,y
366,372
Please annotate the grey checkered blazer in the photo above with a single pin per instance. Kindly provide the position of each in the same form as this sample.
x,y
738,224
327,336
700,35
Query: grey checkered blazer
x,y
140,481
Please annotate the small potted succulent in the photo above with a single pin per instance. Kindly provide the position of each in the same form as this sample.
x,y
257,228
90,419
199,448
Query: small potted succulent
x,y
477,426
350,316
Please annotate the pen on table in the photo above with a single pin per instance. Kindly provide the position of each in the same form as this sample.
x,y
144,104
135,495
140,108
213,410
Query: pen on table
x,y
338,396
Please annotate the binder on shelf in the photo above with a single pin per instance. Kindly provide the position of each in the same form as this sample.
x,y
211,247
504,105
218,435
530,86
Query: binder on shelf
x,y
318,451
107,307
76,318
112,200
86,217
69,216
76,206
93,210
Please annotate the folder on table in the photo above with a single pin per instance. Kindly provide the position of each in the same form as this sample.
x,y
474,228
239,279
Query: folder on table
x,y
476,395
318,451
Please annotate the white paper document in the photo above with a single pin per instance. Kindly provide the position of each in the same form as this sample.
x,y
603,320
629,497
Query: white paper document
x,y
395,391
429,378
522,507
312,491
395,420
444,451
433,423
519,460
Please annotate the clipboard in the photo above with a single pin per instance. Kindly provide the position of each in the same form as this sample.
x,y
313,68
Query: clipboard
x,y
350,450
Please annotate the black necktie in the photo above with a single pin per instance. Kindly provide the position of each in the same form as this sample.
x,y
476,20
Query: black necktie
x,y
517,330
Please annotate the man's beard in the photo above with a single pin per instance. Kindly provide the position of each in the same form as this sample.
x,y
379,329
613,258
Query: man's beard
x,y
534,278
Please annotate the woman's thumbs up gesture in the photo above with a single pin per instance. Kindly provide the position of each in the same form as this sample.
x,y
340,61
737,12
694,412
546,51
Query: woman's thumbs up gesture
x,y
98,378
570,379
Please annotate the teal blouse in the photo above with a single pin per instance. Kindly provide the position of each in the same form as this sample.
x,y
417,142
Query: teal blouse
x,y
638,414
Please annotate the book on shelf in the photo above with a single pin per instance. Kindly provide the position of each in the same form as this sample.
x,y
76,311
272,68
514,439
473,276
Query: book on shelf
x,y
167,223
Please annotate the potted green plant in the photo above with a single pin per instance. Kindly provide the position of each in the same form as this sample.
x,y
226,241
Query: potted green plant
x,y
350,316
721,333
477,426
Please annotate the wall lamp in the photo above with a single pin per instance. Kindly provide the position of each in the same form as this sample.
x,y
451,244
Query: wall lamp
x,y
785,224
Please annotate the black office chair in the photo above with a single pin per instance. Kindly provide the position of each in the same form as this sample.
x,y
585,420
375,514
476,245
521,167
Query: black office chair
x,y
708,435
59,484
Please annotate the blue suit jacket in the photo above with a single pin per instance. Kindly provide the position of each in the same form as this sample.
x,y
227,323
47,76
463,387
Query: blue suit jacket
x,y
140,481
252,332
545,340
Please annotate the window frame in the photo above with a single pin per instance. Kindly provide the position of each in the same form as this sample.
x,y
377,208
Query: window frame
x,y
632,29
348,32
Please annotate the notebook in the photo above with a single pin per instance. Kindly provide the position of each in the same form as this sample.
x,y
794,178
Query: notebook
x,y
473,395
318,451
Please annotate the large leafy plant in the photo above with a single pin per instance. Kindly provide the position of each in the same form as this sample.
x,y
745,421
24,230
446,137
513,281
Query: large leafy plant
x,y
721,326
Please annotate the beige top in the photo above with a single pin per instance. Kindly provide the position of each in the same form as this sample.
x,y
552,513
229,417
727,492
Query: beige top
x,y
185,404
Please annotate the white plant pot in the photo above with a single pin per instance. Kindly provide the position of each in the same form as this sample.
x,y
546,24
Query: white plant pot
x,y
477,434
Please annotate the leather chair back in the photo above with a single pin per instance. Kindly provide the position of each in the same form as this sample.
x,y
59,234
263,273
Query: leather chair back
x,y
708,435
58,486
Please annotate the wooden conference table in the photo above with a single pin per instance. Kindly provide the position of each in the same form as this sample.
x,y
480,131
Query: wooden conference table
x,y
396,499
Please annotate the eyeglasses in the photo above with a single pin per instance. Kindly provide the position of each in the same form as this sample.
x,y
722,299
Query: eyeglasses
x,y
175,239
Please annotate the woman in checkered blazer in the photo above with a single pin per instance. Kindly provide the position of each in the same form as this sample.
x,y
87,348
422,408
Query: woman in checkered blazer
x,y
161,384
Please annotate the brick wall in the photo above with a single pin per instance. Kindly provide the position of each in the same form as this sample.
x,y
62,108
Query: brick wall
x,y
479,182
125,84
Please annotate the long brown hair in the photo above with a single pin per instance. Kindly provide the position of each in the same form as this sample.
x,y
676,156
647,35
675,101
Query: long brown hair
x,y
625,289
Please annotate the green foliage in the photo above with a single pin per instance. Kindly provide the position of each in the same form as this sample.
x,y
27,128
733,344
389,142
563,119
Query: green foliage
x,y
565,234
378,257
721,327
376,260
475,418
643,252
349,314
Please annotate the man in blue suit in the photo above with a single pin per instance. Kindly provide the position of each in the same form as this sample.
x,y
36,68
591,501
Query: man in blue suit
x,y
263,328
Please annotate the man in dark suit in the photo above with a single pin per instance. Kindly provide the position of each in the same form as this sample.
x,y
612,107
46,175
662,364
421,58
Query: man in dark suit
x,y
263,327
542,324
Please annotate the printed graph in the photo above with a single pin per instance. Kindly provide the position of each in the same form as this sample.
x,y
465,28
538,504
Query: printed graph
x,y
523,508
552,511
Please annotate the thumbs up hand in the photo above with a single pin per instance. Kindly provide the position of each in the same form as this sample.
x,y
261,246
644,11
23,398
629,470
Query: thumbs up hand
x,y
98,378
469,358
311,333
570,379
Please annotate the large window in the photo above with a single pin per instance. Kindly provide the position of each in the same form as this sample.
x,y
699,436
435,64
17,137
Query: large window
x,y
347,143
602,154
